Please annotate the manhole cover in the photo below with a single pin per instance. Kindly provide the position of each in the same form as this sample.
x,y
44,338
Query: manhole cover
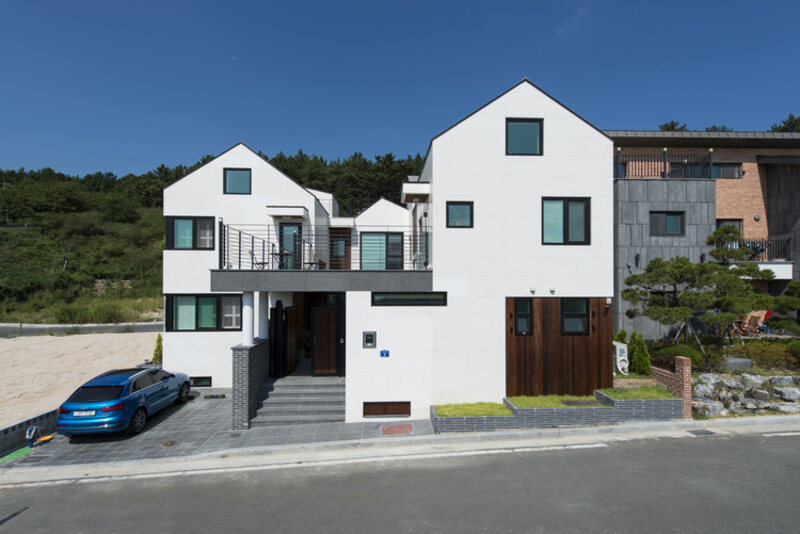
x,y
702,432
214,396
170,443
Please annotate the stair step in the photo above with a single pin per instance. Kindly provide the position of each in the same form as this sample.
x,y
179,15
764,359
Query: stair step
x,y
300,410
300,396
301,388
294,419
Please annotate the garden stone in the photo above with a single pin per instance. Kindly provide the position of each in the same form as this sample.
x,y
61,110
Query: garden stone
x,y
737,363
750,381
787,394
759,394
705,391
710,409
782,380
735,407
753,404
708,378
729,382
785,408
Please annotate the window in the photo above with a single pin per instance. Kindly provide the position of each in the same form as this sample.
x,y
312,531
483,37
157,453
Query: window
x,y
191,313
459,214
667,223
200,381
523,317
523,137
726,170
435,298
565,221
574,317
381,251
237,181
158,375
736,223
339,248
190,233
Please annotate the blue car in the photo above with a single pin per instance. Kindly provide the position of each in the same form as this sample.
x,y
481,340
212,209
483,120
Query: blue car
x,y
122,399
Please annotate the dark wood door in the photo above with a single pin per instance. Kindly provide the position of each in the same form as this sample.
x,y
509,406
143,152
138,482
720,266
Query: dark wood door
x,y
323,341
541,359
340,248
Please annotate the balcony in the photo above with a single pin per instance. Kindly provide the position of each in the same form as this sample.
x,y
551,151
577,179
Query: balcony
x,y
290,256
669,165
772,254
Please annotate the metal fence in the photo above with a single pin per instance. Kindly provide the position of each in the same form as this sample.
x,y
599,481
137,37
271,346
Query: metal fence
x,y
662,166
294,246
763,249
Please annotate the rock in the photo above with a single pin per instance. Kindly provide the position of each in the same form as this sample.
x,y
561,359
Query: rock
x,y
708,378
759,394
711,409
752,381
737,363
735,407
785,408
729,382
782,381
787,394
754,404
706,391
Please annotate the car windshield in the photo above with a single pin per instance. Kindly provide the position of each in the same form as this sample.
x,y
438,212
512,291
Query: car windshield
x,y
96,394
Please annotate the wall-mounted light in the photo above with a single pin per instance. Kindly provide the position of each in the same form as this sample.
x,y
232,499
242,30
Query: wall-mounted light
x,y
757,218
532,290
609,301
636,260
552,289
424,213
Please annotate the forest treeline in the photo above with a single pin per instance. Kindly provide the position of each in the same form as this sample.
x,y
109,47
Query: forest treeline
x,y
88,248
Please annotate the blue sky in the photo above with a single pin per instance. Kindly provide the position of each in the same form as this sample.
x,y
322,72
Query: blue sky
x,y
131,85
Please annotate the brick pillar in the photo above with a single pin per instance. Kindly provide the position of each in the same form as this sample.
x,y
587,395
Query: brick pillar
x,y
241,388
683,372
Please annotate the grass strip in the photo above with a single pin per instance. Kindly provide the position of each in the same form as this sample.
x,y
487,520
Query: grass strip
x,y
19,453
643,392
475,409
550,401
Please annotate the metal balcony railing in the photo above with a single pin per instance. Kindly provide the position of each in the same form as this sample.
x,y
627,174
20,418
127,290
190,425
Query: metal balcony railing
x,y
764,249
662,166
293,246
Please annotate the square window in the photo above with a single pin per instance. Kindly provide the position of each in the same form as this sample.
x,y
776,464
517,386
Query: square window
x,y
667,223
523,137
574,317
565,221
237,181
231,312
459,214
736,223
184,233
190,233
184,315
523,317
206,312
205,233
726,170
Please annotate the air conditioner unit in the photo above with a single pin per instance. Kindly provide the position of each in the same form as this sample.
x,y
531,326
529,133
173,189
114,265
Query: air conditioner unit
x,y
620,358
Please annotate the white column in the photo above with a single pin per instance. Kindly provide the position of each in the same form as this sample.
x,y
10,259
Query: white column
x,y
263,314
247,318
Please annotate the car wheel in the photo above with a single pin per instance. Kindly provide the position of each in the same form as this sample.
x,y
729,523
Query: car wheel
x,y
183,394
138,421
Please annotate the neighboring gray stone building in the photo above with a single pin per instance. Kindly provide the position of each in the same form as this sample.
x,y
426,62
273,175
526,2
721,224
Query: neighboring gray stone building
x,y
658,218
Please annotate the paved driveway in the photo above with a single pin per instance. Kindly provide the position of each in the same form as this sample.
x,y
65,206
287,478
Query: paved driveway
x,y
202,425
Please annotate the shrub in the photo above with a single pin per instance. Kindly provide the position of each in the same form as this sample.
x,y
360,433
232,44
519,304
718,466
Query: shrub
x,y
769,354
107,312
638,355
158,352
665,356
71,314
621,337
794,348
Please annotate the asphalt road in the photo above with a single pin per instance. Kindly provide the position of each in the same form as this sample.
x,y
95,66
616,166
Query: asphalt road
x,y
695,484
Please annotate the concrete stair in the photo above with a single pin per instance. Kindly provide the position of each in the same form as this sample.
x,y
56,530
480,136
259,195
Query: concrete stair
x,y
300,399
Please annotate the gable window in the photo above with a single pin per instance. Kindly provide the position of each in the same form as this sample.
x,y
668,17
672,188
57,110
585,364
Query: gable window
x,y
667,223
381,251
237,181
187,233
459,214
523,317
574,317
191,313
736,223
726,170
523,137
566,221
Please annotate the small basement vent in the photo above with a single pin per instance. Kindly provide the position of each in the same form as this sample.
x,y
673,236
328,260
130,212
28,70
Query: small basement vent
x,y
387,409
200,381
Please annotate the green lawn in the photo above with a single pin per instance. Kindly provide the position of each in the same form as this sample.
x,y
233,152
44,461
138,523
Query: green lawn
x,y
472,410
19,453
644,392
632,376
550,401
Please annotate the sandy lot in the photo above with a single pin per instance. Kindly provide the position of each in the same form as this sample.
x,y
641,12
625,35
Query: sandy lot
x,y
40,372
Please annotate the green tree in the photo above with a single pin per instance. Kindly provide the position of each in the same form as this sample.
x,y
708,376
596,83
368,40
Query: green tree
x,y
728,246
789,124
621,337
720,128
672,126
638,355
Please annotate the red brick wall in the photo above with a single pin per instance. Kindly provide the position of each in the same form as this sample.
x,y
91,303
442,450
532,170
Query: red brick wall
x,y
679,382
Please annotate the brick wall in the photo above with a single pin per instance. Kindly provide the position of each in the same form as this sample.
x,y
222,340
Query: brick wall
x,y
678,382
250,368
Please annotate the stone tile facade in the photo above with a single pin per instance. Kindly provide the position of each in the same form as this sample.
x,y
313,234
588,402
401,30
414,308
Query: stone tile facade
x,y
250,368
12,437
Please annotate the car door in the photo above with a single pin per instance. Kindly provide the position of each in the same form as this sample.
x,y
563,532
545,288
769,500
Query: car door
x,y
142,389
161,387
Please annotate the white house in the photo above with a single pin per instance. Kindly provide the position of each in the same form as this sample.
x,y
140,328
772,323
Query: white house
x,y
495,278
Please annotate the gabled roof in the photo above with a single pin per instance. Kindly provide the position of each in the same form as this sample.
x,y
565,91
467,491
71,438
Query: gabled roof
x,y
705,139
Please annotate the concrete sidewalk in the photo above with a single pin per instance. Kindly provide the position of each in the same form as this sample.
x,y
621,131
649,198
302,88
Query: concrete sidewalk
x,y
392,448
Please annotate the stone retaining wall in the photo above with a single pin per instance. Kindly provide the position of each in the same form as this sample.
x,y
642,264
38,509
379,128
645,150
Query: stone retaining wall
x,y
12,437
250,368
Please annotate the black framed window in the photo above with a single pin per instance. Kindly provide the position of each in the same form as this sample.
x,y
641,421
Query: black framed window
x,y
566,221
192,313
736,223
237,181
381,251
574,317
190,233
434,298
523,317
726,170
667,223
524,137
460,214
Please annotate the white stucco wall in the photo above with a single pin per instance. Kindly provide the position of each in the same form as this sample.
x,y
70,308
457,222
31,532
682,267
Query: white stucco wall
x,y
201,354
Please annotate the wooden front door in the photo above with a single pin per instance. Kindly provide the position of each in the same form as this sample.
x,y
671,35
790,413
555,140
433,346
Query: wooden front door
x,y
558,346
340,248
323,341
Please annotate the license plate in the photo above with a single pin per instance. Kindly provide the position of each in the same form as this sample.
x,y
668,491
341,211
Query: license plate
x,y
83,413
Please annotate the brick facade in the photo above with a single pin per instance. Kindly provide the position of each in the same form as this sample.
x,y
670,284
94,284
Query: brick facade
x,y
678,382
250,368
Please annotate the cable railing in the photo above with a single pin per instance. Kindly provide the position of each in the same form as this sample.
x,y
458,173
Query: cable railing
x,y
298,247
